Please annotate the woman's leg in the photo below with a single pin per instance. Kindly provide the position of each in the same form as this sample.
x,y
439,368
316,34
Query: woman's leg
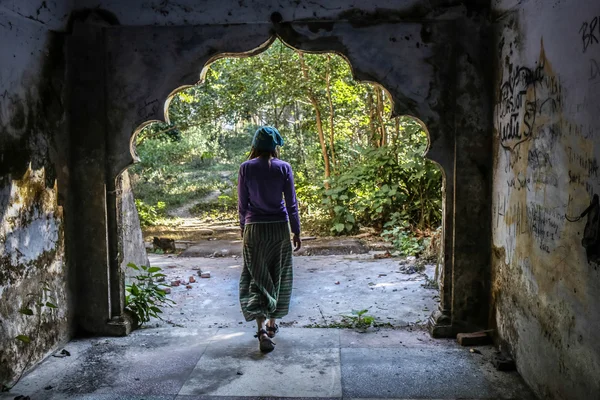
x,y
261,325
265,344
272,327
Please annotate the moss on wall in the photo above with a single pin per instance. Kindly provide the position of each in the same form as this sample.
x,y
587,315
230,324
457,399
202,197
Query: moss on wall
x,y
33,189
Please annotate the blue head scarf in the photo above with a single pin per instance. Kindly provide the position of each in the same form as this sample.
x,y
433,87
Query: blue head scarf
x,y
267,138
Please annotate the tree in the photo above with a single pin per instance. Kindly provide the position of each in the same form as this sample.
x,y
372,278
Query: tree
x,y
334,127
313,100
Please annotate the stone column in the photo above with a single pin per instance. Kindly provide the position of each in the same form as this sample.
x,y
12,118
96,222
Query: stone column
x,y
97,312
473,175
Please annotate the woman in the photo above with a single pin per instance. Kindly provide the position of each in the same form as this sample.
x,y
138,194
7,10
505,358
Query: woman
x,y
265,219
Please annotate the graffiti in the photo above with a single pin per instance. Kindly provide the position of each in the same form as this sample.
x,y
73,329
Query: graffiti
x,y
526,95
549,93
594,69
580,180
587,163
589,33
537,159
550,178
537,178
517,108
591,232
148,110
519,183
532,219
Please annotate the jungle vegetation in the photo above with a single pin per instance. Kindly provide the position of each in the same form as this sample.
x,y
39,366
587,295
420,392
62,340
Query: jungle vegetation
x,y
355,167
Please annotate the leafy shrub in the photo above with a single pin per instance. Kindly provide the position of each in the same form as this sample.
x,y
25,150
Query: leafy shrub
x,y
149,214
384,187
145,298
404,241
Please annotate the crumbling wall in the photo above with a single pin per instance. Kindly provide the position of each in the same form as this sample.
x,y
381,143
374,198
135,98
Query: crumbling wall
x,y
545,285
33,185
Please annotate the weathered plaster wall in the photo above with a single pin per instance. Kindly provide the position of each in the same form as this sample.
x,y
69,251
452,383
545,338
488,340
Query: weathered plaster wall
x,y
547,141
33,176
131,245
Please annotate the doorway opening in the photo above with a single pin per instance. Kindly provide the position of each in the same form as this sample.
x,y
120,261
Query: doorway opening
x,y
370,203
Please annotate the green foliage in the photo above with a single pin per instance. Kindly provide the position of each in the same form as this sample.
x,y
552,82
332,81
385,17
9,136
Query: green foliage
x,y
149,215
145,298
360,319
400,235
387,184
378,172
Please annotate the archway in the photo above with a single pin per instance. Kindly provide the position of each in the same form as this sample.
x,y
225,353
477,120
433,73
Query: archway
x,y
412,60
360,177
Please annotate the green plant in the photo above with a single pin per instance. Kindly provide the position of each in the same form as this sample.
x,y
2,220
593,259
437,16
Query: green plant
x,y
360,319
149,214
404,241
398,233
145,298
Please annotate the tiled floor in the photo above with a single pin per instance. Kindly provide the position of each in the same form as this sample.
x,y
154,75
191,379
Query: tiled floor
x,y
186,364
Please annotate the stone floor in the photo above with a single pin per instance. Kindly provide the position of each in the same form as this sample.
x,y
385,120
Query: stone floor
x,y
325,289
207,351
220,364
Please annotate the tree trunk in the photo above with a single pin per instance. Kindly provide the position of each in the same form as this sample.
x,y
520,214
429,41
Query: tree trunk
x,y
300,138
397,136
383,132
315,104
331,127
372,137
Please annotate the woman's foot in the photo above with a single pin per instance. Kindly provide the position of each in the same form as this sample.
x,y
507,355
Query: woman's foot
x,y
272,328
265,343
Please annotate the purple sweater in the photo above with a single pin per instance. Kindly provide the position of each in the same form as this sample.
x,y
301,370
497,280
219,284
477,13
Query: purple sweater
x,y
260,193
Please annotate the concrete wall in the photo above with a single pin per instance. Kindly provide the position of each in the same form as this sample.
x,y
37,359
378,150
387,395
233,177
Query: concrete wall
x,y
33,176
208,12
545,290
131,245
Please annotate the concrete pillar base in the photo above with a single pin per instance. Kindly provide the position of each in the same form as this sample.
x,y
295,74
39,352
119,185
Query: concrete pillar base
x,y
120,326
440,325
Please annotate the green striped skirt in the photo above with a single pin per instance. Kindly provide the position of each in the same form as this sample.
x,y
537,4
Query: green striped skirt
x,y
266,281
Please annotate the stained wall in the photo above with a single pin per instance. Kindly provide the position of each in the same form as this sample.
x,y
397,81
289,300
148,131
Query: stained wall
x,y
33,183
545,286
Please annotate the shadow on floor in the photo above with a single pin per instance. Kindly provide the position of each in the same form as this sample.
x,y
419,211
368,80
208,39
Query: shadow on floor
x,y
184,363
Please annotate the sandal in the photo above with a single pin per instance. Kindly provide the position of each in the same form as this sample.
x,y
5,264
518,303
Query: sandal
x,y
272,330
266,345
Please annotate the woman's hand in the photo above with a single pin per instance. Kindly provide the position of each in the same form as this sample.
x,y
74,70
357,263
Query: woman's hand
x,y
297,242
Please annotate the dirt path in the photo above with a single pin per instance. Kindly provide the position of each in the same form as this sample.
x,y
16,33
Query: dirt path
x,y
183,211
